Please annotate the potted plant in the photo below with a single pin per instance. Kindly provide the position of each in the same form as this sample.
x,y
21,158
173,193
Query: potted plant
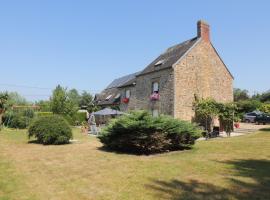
x,y
236,122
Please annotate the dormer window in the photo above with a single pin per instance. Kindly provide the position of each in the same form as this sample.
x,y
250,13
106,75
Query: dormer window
x,y
128,94
155,87
160,62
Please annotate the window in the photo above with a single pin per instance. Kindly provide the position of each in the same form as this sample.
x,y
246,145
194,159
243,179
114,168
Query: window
x,y
160,62
117,96
127,93
108,97
155,87
155,113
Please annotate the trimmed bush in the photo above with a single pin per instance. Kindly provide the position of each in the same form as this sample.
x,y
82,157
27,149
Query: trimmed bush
x,y
50,130
140,133
41,114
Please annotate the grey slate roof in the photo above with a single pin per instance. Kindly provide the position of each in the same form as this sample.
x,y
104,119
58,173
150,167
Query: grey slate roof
x,y
170,56
101,98
123,80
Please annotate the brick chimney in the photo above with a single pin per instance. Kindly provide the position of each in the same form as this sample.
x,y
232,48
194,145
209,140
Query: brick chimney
x,y
203,30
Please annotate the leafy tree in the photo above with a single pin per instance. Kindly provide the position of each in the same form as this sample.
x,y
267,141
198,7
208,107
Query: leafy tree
x,y
206,110
240,94
245,106
226,116
16,99
265,107
74,96
265,97
87,101
58,100
3,104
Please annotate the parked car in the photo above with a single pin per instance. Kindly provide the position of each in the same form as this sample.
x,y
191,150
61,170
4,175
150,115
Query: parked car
x,y
262,119
250,117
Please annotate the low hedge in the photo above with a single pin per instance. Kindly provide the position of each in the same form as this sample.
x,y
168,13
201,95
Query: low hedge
x,y
75,120
41,114
140,133
50,130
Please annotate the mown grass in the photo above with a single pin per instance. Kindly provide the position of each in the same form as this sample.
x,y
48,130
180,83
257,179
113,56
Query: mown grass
x,y
234,168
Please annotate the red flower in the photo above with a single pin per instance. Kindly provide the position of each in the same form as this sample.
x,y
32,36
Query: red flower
x,y
154,97
125,100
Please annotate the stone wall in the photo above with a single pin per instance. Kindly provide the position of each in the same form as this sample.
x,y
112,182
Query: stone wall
x,y
201,72
132,100
144,90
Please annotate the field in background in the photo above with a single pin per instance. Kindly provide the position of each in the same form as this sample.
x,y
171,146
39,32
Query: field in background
x,y
233,168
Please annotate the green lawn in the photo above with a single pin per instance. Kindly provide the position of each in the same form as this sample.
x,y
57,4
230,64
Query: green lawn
x,y
234,168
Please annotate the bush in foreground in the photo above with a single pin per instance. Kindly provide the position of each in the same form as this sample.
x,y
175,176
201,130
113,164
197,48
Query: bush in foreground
x,y
50,130
141,133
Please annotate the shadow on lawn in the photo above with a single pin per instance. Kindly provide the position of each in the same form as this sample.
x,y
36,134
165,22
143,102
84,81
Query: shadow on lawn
x,y
265,129
257,186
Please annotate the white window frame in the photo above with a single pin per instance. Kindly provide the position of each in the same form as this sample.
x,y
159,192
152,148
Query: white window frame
x,y
108,97
127,94
155,87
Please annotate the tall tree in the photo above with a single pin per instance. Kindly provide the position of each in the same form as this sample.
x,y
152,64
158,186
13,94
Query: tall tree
x,y
240,94
74,96
58,100
87,101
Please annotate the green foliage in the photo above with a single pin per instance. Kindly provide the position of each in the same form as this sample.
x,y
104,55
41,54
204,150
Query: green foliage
x,y
240,94
74,120
207,109
87,102
28,113
50,130
140,133
246,106
3,100
77,119
265,107
19,120
265,97
41,114
45,106
226,116
16,99
58,100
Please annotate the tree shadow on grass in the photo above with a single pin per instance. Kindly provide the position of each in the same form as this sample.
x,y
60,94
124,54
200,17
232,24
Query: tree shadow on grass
x,y
250,180
265,129
136,153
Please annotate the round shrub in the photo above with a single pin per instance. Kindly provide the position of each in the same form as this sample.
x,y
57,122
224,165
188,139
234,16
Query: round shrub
x,y
50,130
140,133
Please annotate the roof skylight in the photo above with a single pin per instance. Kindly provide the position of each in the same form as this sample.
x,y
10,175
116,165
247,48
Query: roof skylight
x,y
160,62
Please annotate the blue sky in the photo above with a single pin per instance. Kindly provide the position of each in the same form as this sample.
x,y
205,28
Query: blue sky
x,y
85,44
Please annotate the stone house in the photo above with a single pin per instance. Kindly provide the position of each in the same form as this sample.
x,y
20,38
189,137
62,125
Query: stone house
x,y
169,84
